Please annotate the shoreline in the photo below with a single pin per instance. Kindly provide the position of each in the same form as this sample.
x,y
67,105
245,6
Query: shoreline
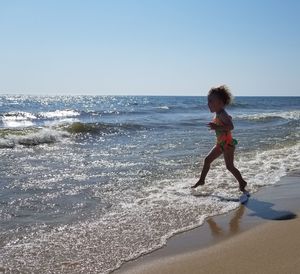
x,y
270,207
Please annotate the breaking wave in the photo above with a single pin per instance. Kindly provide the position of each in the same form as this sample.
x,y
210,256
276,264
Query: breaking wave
x,y
59,113
287,115
31,138
100,128
18,119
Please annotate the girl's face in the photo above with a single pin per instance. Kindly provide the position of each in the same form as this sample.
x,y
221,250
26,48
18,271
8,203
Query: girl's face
x,y
214,103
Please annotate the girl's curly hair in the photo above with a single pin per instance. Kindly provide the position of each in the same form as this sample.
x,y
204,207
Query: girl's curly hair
x,y
223,93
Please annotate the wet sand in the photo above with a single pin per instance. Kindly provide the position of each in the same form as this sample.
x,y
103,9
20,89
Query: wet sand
x,y
260,237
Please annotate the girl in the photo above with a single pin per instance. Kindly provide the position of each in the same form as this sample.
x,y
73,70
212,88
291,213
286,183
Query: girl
x,y
218,98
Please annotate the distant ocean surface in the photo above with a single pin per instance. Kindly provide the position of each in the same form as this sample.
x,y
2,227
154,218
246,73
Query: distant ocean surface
x,y
88,182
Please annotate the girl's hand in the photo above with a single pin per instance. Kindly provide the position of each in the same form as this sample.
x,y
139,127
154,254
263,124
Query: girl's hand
x,y
212,126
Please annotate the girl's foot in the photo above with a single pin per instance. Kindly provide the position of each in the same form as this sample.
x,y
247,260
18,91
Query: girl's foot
x,y
247,193
242,186
199,183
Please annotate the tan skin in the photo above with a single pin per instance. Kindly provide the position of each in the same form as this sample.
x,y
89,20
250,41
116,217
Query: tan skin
x,y
217,106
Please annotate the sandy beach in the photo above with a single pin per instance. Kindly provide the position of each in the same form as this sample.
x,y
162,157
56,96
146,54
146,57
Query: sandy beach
x,y
260,237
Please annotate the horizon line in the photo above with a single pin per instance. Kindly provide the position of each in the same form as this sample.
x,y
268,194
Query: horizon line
x,y
127,95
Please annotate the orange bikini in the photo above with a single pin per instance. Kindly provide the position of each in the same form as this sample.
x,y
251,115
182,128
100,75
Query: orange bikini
x,y
224,138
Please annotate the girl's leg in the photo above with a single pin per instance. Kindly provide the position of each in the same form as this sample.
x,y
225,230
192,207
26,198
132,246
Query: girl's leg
x,y
212,155
229,158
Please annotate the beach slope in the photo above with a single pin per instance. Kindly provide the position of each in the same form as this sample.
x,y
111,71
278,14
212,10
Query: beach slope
x,y
270,248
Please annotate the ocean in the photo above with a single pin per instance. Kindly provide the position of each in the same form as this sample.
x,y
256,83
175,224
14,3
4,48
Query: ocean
x,y
89,182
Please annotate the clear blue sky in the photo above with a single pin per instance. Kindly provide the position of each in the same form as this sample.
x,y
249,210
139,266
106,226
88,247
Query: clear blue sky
x,y
149,47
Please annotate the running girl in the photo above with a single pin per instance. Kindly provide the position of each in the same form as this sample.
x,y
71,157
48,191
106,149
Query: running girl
x,y
218,98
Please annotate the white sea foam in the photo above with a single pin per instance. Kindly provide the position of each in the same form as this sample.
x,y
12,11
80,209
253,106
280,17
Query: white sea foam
x,y
17,123
59,113
163,107
18,116
18,119
105,242
289,115
6,143
44,136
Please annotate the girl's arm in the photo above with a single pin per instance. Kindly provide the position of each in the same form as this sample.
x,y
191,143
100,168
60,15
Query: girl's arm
x,y
226,121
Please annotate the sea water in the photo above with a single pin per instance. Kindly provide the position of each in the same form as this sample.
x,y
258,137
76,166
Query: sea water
x,y
88,182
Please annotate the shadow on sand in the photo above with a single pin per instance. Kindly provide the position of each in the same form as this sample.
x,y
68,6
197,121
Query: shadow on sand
x,y
264,210
259,208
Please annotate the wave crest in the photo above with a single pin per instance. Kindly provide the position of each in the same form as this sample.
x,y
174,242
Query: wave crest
x,y
18,119
287,115
43,136
59,113
100,128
